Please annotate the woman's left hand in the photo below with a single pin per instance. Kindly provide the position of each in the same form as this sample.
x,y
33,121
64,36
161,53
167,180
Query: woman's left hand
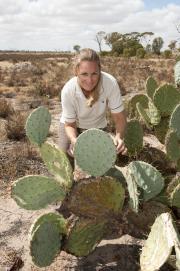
x,y
120,146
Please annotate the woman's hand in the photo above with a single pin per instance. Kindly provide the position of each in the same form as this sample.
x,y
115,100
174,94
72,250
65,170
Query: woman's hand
x,y
120,146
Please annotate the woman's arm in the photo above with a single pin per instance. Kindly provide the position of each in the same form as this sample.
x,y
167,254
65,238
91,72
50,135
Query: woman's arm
x,y
71,131
120,121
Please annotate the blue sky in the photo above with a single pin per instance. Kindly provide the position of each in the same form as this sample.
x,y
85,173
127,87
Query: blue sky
x,y
61,24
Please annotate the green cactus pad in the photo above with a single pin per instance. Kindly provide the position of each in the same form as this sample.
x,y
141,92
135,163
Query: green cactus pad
x,y
36,192
37,125
147,177
161,129
175,120
173,192
58,164
115,172
95,152
133,191
58,219
133,137
166,99
138,98
143,115
172,144
151,86
154,114
45,242
84,236
177,74
157,247
96,197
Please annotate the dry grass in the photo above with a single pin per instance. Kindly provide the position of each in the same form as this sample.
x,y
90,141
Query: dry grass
x,y
15,126
5,108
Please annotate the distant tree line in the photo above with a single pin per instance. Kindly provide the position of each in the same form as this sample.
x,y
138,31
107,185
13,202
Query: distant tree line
x,y
131,44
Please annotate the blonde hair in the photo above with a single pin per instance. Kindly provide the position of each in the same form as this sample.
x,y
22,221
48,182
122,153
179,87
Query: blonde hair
x,y
88,54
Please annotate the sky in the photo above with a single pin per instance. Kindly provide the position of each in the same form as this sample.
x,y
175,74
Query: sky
x,y
58,25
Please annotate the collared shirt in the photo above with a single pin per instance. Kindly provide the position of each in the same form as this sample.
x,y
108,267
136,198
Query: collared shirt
x,y
75,108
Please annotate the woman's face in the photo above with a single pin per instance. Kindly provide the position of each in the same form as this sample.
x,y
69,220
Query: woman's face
x,y
88,74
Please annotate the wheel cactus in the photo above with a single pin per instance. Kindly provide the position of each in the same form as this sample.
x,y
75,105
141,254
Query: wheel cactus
x,y
151,86
177,74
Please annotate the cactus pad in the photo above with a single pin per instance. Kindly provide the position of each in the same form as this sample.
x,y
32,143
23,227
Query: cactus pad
x,y
158,246
151,86
147,177
172,144
46,239
84,236
143,114
95,152
154,114
58,219
166,99
36,192
177,74
133,191
161,129
173,191
58,164
175,120
37,125
96,197
133,137
138,98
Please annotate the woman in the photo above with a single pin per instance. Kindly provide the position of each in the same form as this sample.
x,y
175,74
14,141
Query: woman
x,y
85,99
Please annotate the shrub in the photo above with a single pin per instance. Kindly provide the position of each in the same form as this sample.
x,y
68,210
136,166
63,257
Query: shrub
x,y
5,108
140,53
167,54
15,126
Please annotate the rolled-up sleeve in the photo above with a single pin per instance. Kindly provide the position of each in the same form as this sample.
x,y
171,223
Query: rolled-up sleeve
x,y
68,110
115,102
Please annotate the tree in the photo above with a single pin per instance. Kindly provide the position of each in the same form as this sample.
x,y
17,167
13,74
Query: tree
x,y
157,45
172,45
99,38
76,48
111,38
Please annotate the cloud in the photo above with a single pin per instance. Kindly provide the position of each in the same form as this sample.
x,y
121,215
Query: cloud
x,y
50,25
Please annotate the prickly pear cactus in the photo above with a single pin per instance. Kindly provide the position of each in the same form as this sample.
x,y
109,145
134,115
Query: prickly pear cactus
x,y
172,144
36,192
166,98
37,125
161,129
96,197
95,152
173,192
177,74
58,164
151,86
144,116
147,177
138,98
133,137
153,114
133,191
45,238
158,246
175,121
84,236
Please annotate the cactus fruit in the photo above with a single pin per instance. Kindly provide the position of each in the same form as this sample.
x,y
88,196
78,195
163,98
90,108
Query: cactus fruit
x,y
172,144
161,129
147,177
174,122
46,238
96,197
37,125
138,98
36,192
95,152
151,86
158,246
166,98
177,74
58,164
84,236
144,116
133,137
